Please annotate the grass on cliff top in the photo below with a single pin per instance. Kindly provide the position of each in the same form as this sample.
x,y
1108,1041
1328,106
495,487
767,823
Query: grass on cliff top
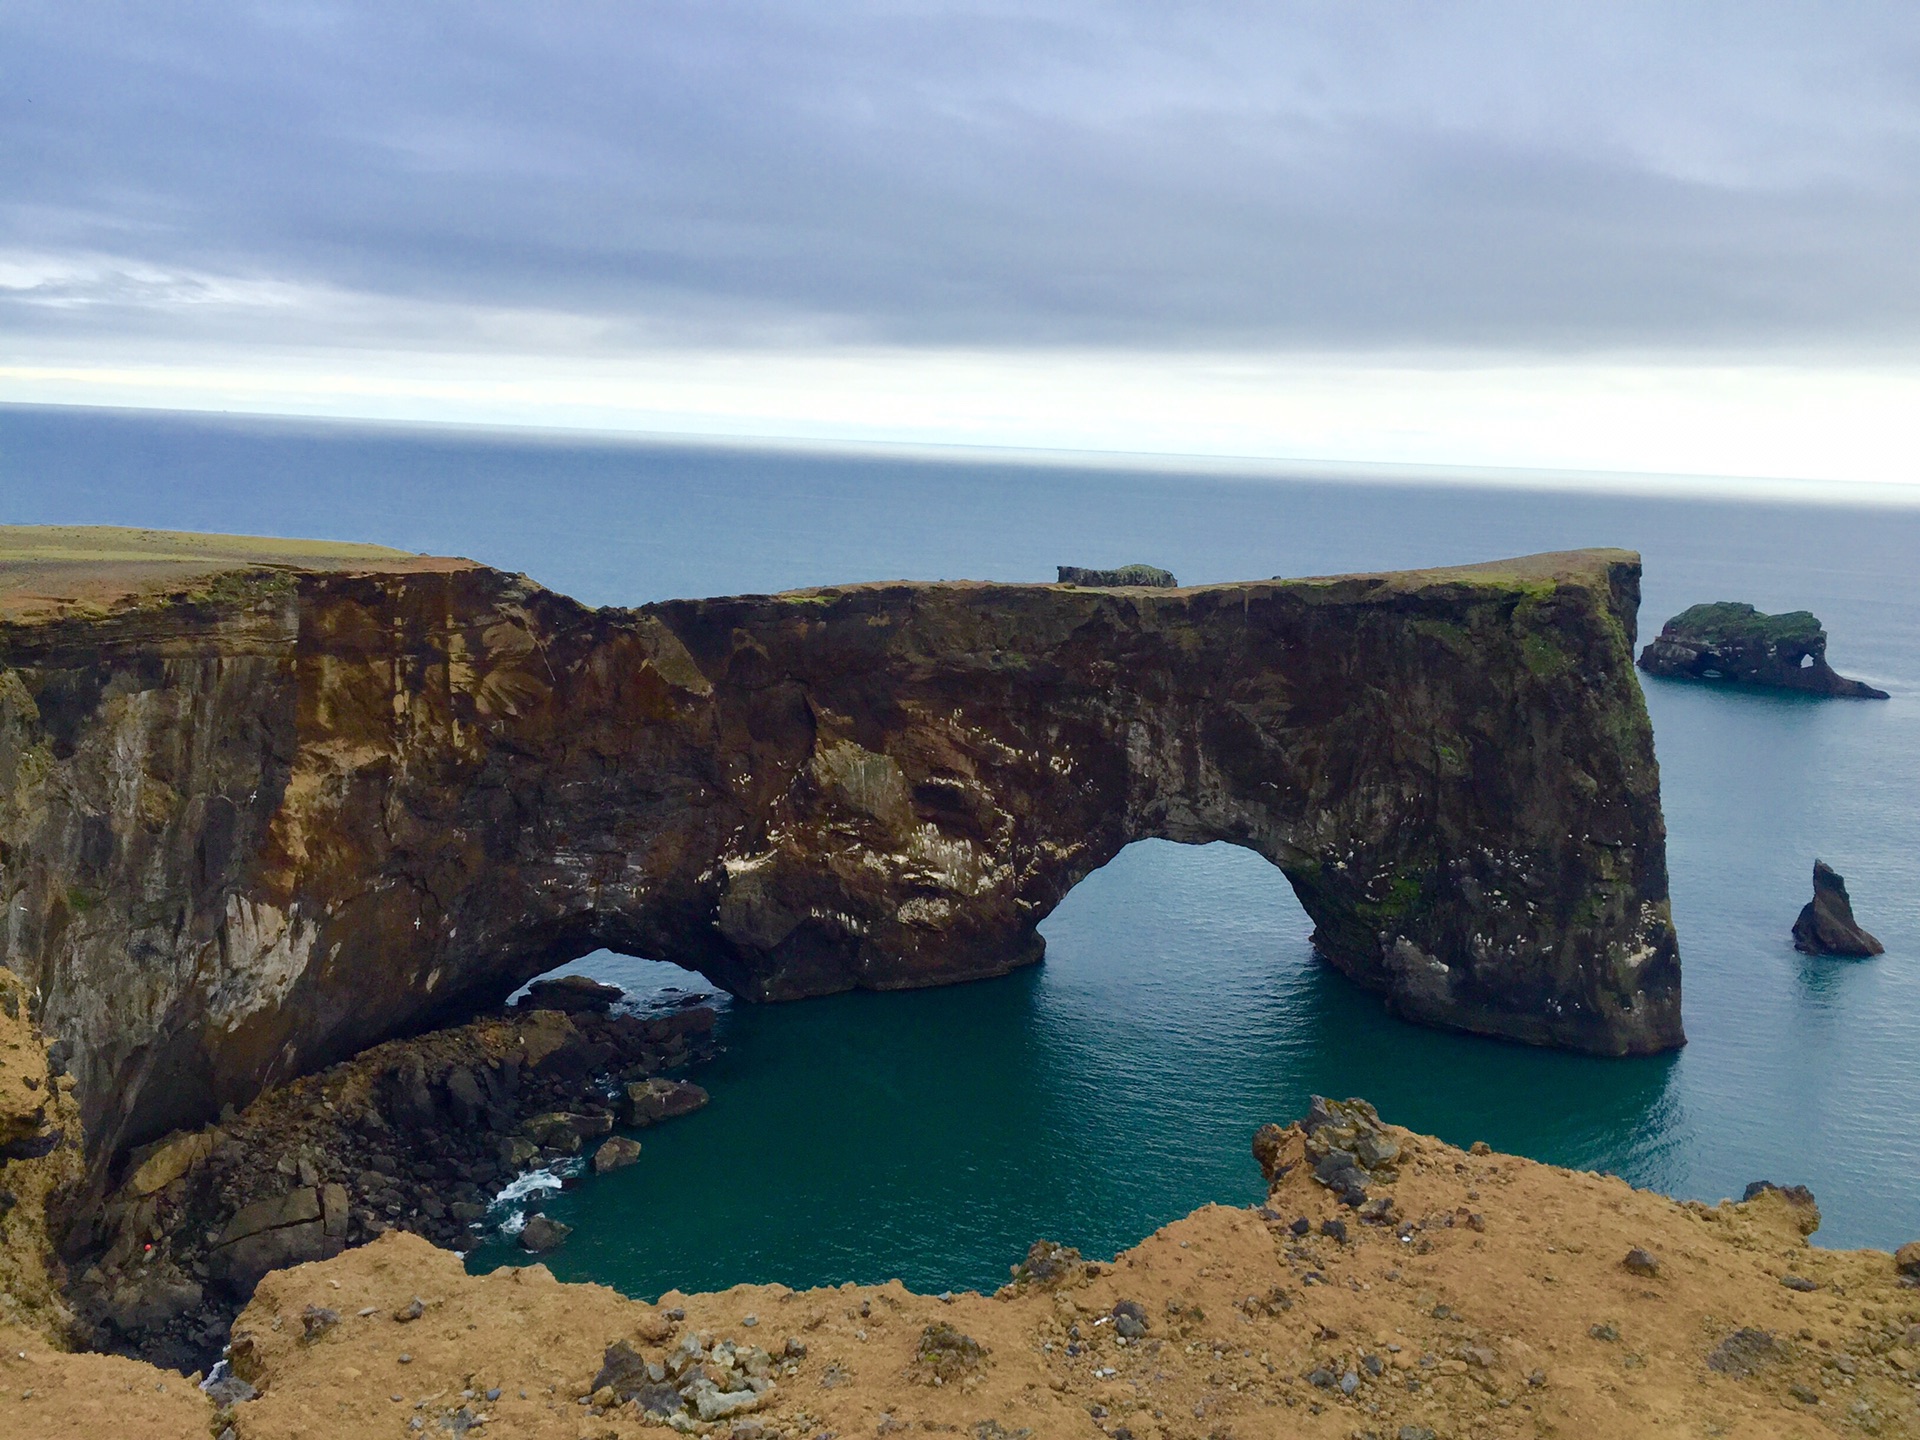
x,y
1530,574
1724,621
50,569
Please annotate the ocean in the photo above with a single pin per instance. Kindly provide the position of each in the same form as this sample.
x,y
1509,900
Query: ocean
x,y
932,1136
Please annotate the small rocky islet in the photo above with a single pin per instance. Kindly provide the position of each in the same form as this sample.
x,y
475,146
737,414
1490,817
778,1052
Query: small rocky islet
x,y
1732,643
1826,925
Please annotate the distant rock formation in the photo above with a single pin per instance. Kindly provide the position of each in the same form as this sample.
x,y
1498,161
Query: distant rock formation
x,y
1826,926
1126,575
1733,642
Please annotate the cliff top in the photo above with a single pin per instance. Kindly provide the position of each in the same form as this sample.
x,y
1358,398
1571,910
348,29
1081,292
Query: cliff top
x,y
47,569
1723,621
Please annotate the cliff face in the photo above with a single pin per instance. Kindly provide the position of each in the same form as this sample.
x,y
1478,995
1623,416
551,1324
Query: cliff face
x,y
250,827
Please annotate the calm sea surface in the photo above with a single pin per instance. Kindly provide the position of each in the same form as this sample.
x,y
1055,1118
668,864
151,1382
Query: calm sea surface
x,y
933,1135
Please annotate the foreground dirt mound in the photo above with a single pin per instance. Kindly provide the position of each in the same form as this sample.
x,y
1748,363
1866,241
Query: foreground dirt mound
x,y
1392,1286
1491,1296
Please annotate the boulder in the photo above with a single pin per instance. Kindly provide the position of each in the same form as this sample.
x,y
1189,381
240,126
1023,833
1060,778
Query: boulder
x,y
304,1224
572,995
541,1234
156,1166
651,1101
1826,925
1735,644
616,1152
1907,1258
564,1130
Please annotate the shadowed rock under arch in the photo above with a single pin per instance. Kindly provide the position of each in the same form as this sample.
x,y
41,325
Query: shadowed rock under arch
x,y
262,816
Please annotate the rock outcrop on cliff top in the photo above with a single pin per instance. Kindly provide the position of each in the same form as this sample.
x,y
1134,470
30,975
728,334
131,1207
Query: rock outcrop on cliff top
x,y
1826,925
1738,645
258,815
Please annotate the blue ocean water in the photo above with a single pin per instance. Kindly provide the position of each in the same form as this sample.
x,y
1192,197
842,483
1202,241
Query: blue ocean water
x,y
933,1135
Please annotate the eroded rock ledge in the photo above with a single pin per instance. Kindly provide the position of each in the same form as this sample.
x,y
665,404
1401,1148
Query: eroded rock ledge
x,y
259,818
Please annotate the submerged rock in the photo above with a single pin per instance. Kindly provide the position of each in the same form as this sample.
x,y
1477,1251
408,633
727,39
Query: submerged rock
x,y
1826,925
1735,643
1126,575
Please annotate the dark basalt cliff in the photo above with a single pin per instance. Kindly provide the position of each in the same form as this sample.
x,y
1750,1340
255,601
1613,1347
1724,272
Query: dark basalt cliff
x,y
1734,643
251,825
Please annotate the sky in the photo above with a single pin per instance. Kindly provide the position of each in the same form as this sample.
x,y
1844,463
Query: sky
x,y
1623,236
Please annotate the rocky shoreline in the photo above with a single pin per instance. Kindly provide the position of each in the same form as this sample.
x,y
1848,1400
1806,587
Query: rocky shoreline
x,y
1387,1285
415,1135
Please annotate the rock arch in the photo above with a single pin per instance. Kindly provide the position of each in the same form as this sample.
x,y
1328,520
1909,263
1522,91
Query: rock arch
x,y
255,825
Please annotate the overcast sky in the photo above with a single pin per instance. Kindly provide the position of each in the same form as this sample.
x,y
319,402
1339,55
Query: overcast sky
x,y
494,210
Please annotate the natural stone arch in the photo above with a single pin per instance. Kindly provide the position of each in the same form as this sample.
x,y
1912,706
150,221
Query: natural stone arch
x,y
255,826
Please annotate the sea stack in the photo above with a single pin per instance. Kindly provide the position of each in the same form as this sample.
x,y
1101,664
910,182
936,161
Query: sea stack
x,y
1736,644
1826,926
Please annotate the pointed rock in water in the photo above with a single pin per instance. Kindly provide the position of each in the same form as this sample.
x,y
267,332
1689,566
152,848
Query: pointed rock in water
x,y
1737,644
1826,925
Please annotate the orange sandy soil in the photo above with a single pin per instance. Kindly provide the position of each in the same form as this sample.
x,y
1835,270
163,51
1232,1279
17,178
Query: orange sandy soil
x,y
54,570
49,1393
1498,1305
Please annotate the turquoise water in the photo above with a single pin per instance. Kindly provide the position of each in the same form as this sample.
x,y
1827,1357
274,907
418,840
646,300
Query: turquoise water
x,y
934,1135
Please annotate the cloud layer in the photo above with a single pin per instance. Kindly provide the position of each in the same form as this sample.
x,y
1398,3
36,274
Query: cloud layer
x,y
614,177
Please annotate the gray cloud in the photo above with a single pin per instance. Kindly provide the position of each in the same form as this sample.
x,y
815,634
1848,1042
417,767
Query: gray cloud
x,y
1516,175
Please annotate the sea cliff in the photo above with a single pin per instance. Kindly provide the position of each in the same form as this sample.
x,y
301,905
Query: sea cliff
x,y
261,814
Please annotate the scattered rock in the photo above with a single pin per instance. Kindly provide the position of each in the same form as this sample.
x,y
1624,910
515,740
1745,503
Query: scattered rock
x,y
1736,644
317,1320
616,1152
1826,925
1641,1262
946,1354
541,1234
1606,1331
1048,1264
1743,1353
412,1312
1129,1319
1798,1282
